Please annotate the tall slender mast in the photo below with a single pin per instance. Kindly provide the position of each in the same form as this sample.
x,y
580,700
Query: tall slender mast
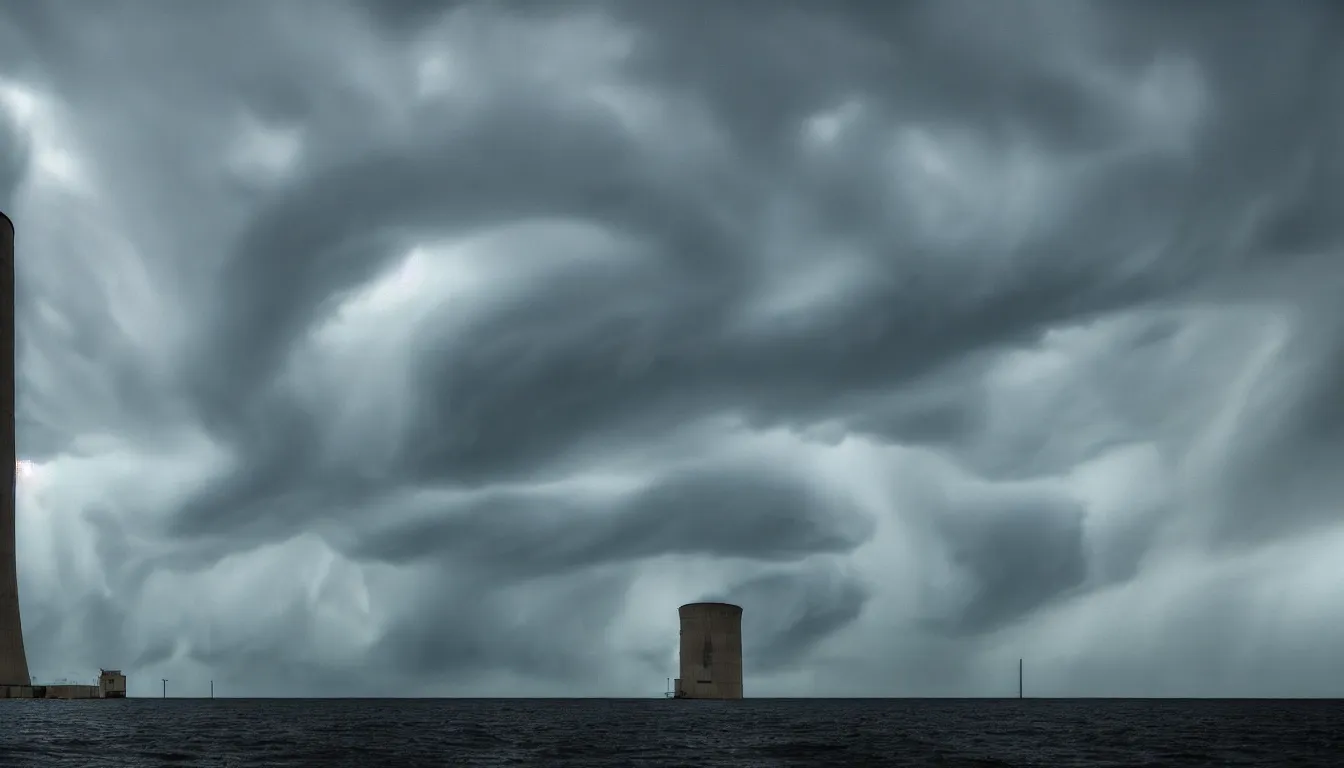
x,y
1019,678
13,660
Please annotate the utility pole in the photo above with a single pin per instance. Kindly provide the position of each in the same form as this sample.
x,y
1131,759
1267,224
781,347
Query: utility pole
x,y
212,689
165,687
1019,678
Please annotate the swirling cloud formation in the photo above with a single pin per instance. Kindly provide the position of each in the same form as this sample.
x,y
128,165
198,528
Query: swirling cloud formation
x,y
445,348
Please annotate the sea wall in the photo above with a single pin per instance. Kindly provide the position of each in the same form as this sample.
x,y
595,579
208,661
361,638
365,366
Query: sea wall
x,y
50,692
72,692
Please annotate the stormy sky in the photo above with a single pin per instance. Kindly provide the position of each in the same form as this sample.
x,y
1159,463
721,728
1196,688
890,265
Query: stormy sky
x,y
432,348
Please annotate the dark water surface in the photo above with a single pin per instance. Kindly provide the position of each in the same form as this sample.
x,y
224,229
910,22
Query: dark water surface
x,y
600,732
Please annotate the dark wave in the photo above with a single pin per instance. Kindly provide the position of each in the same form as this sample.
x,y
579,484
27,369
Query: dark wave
x,y
231,733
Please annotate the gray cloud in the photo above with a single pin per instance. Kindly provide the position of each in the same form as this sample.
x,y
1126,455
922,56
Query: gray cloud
x,y
13,158
447,347
1015,556
720,512
800,609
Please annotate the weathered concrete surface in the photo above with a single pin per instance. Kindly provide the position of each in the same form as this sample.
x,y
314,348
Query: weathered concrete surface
x,y
13,660
711,651
72,692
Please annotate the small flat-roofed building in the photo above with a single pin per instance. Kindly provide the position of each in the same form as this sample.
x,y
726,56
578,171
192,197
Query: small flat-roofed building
x,y
111,684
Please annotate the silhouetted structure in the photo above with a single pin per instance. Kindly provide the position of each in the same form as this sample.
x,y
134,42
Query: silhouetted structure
x,y
13,660
14,680
711,651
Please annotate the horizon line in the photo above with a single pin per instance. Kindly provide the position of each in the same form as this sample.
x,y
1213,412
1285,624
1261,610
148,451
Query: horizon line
x,y
753,698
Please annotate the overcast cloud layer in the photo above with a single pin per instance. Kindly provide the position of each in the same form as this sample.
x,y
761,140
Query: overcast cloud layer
x,y
434,348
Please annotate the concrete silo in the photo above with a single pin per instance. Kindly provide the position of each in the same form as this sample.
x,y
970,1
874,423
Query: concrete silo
x,y
711,651
13,660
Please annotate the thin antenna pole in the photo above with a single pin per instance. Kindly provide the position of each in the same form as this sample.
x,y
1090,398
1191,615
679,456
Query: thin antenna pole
x,y
1019,678
165,687
212,689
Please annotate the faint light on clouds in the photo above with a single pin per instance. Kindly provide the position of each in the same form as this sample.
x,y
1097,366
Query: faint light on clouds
x,y
54,157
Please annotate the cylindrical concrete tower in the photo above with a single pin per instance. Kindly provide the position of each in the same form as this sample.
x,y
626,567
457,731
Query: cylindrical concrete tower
x,y
711,651
13,661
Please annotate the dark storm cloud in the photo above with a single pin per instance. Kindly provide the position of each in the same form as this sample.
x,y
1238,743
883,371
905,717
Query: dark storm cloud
x,y
21,25
1016,555
407,14
794,612
727,511
942,409
1046,247
337,230
1272,124
452,630
569,339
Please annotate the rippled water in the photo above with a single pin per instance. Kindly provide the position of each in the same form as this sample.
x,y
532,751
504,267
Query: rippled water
x,y
596,732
